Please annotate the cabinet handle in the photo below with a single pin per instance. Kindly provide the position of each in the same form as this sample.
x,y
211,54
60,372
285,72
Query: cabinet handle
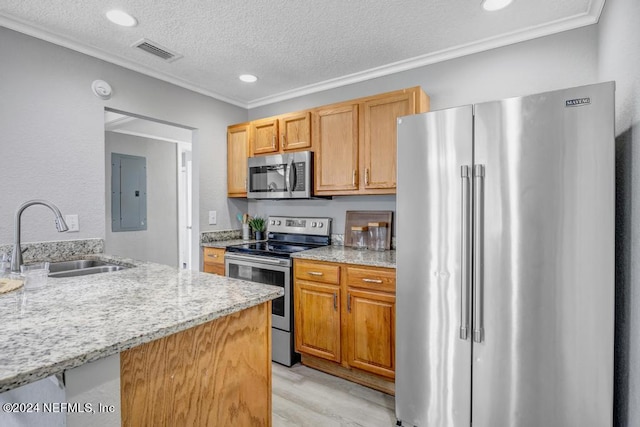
x,y
366,176
246,184
213,255
335,301
355,173
284,141
371,280
273,141
315,273
349,303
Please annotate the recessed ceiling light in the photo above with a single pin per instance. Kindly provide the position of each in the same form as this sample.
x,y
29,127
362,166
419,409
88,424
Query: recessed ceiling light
x,y
248,78
492,5
121,18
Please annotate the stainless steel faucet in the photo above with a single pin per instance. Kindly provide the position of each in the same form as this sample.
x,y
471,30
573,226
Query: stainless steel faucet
x,y
16,256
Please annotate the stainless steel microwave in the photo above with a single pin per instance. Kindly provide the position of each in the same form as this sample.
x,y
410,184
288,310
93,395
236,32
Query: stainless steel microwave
x,y
280,176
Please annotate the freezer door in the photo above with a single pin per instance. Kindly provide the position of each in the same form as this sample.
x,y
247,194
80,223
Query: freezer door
x,y
545,356
433,363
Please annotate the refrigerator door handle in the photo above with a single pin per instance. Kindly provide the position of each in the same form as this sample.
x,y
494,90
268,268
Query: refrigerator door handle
x,y
478,254
465,277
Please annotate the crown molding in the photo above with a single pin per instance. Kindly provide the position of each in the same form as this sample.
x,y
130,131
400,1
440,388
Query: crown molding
x,y
588,18
38,32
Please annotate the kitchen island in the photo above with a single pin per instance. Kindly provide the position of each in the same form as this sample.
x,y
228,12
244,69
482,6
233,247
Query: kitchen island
x,y
178,334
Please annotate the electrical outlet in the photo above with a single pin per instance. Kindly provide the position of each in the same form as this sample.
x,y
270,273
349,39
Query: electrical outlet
x,y
72,222
213,217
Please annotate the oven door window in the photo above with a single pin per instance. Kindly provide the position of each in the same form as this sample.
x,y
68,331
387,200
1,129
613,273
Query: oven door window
x,y
261,275
265,179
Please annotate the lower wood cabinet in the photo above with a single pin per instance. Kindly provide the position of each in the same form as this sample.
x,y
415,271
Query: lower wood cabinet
x,y
213,260
317,330
371,331
345,321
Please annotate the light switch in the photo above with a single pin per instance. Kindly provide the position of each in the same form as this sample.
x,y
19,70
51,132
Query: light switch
x,y
72,222
213,217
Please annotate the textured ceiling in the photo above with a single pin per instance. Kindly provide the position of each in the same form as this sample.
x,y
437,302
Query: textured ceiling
x,y
293,46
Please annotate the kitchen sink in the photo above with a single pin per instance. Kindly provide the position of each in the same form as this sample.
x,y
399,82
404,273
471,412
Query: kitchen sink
x,y
81,267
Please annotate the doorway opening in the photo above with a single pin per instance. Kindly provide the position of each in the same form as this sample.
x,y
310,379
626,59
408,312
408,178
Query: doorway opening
x,y
167,147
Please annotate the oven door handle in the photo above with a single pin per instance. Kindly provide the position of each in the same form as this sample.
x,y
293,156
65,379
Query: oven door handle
x,y
259,260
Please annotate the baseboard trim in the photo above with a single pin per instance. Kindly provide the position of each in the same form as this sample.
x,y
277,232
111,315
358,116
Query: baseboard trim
x,y
363,378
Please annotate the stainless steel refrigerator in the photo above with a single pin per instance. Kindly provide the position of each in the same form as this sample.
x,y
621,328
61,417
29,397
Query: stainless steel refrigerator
x,y
505,262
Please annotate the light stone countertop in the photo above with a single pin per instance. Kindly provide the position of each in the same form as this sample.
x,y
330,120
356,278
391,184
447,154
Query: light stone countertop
x,y
224,243
332,253
347,255
77,320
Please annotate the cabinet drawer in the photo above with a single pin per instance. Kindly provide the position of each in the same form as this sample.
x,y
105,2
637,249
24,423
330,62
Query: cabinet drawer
x,y
214,255
379,279
214,268
317,272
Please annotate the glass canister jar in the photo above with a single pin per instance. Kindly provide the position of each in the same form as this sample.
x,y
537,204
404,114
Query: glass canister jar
x,y
377,236
359,237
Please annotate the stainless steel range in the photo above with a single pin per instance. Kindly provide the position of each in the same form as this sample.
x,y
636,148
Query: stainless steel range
x,y
270,262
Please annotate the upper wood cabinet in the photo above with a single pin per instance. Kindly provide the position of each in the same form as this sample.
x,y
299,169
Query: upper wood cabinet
x,y
237,154
379,139
335,131
264,134
295,131
356,150
354,142
288,132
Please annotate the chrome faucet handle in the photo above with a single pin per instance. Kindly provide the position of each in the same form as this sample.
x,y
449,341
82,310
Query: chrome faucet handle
x,y
61,226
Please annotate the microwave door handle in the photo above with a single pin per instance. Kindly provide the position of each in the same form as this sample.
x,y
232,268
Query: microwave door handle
x,y
287,177
292,177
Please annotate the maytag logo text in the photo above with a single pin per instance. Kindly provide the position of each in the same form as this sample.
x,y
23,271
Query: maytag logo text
x,y
577,102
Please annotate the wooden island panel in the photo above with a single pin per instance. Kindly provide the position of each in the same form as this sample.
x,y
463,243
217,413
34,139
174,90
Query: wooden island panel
x,y
215,374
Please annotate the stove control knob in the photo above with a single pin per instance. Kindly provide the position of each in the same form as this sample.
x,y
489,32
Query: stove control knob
x,y
314,224
273,222
320,224
278,222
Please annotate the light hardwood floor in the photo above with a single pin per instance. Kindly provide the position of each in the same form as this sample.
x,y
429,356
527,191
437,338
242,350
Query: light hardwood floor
x,y
305,397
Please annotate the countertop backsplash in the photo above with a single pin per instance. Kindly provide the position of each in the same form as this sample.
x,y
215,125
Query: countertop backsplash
x,y
338,240
58,250
220,235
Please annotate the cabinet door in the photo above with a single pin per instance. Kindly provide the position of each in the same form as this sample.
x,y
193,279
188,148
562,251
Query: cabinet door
x,y
317,319
380,139
265,136
335,134
295,131
237,153
371,331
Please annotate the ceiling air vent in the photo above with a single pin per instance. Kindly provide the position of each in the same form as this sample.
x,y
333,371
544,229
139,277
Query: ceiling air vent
x,y
156,50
